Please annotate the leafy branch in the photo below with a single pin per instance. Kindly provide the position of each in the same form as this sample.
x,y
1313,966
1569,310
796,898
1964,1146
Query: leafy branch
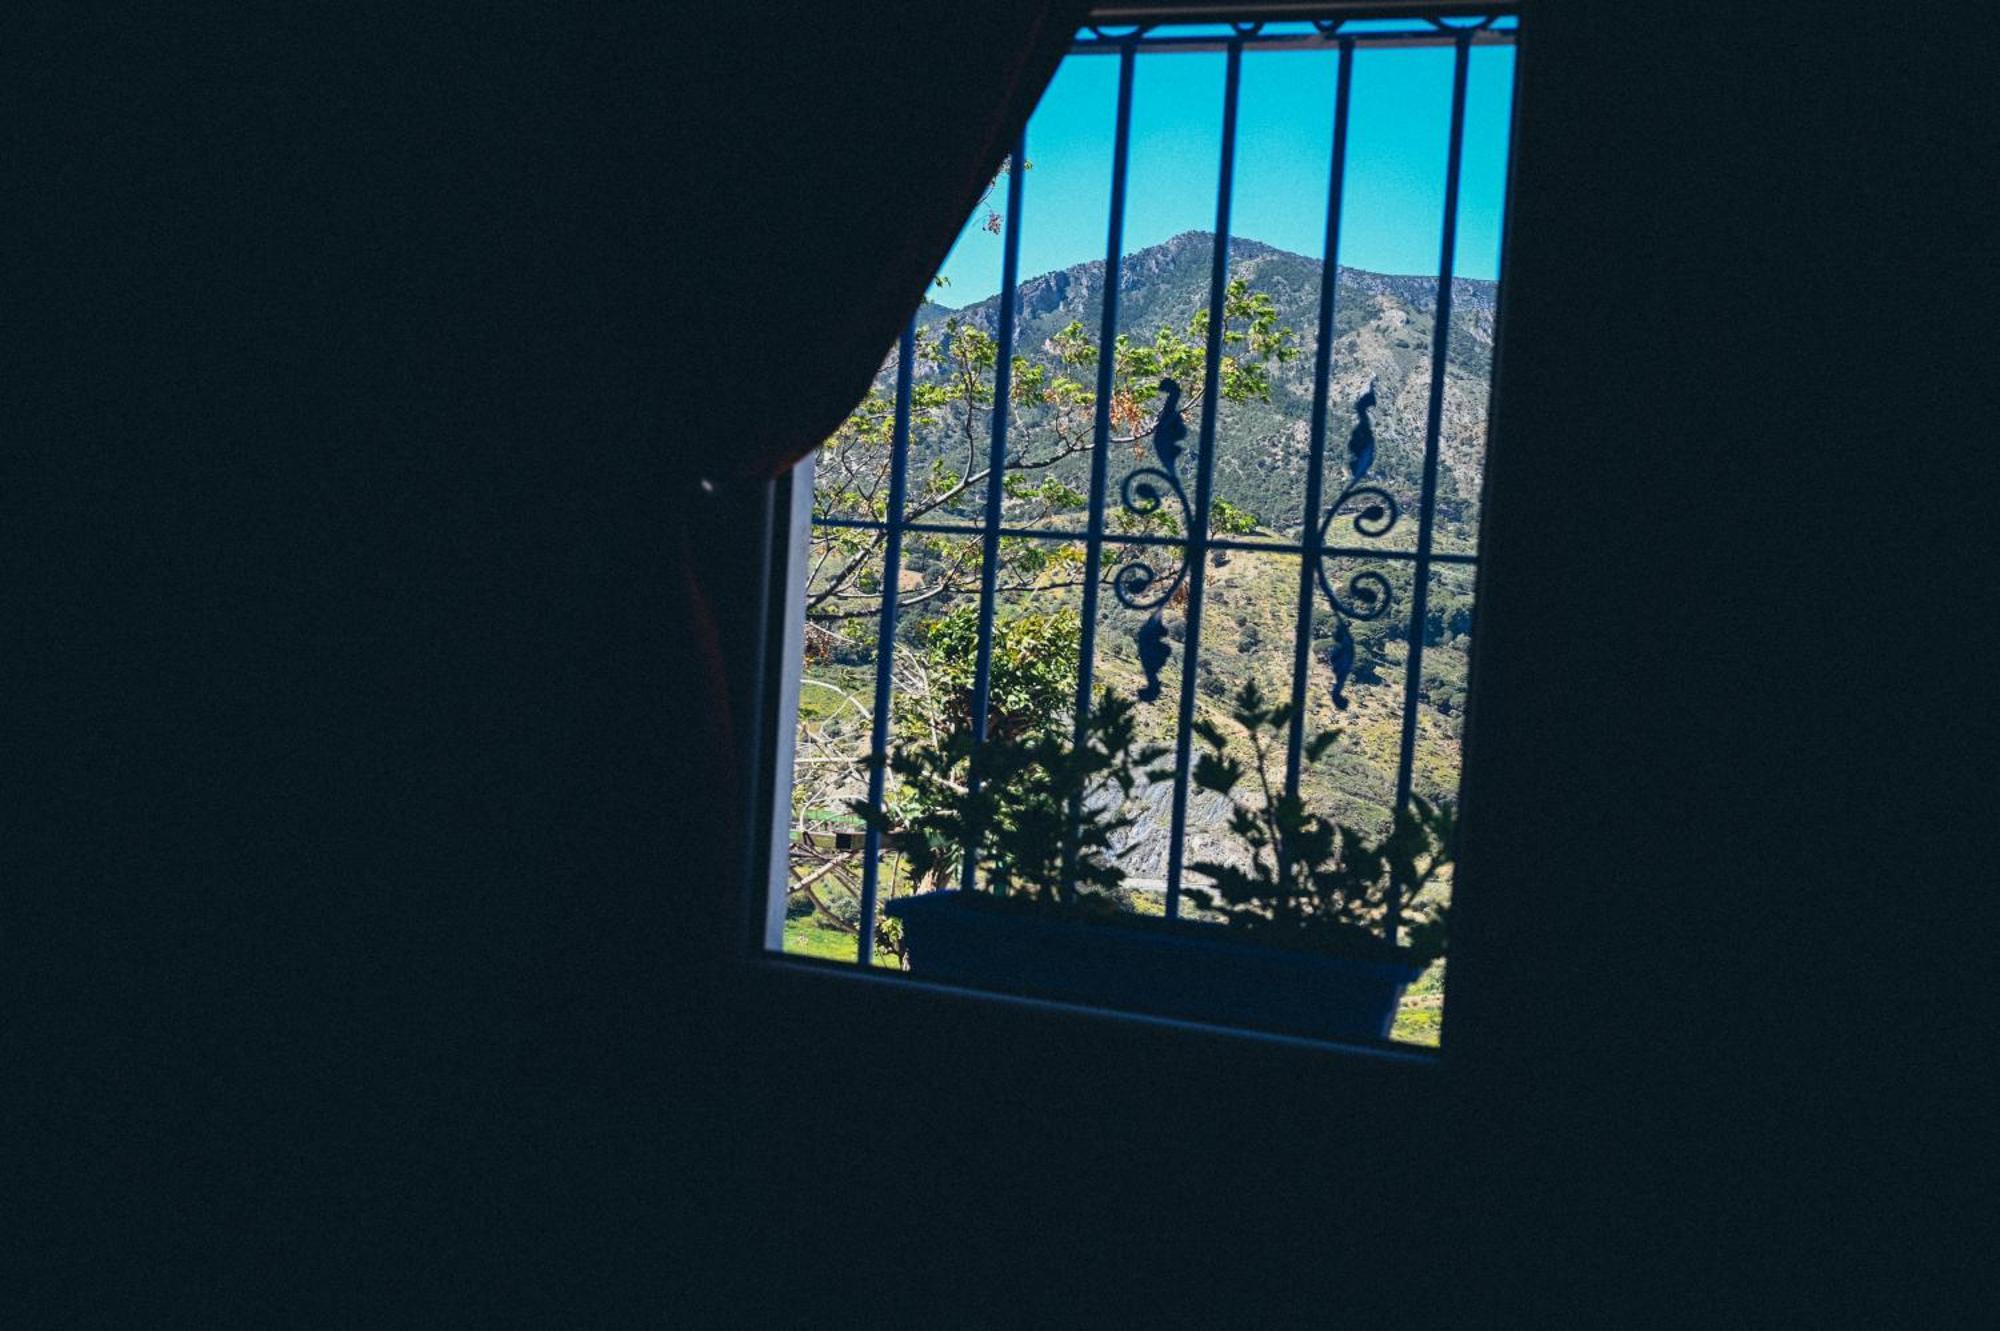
x,y
1306,875
1010,800
952,402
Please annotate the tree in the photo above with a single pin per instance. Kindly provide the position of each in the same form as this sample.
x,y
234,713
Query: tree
x,y
1226,519
1055,399
1033,674
1054,403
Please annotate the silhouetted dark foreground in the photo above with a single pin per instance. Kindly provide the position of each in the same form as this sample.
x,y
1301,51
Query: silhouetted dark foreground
x,y
372,822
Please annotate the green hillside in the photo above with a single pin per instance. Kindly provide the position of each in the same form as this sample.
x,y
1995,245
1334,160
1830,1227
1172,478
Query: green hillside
x,y
1383,332
1383,329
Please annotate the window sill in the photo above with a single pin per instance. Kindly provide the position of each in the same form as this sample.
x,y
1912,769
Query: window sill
x,y
902,997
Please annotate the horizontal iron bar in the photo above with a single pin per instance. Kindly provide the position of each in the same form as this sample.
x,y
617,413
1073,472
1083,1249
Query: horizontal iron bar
x,y
1290,11
1213,542
1194,43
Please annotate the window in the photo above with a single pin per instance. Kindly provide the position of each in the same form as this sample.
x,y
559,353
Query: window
x,y
1227,430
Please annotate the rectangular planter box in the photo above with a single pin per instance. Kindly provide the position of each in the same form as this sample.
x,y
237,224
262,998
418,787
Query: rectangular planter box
x,y
1224,978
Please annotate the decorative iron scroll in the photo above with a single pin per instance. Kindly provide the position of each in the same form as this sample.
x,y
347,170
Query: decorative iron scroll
x,y
1372,511
1368,594
1137,584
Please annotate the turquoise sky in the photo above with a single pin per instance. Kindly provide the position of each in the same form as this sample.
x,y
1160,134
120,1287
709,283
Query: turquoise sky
x,y
1397,137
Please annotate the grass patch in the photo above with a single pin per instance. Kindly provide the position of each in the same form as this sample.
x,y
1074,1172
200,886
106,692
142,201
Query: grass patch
x,y
1420,1016
810,937
1418,1025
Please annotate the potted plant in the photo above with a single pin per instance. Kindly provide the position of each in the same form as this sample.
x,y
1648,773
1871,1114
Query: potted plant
x,y
1318,892
1294,945
1012,797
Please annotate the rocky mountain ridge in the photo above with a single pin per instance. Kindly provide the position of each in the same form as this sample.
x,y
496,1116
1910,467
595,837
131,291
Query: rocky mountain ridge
x,y
1382,334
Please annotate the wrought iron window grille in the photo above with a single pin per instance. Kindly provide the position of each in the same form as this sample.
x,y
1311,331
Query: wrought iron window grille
x,y
1152,569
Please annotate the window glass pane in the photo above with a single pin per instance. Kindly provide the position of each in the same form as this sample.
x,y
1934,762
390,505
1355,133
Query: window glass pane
x,y
1359,633
1277,229
1354,784
1249,621
1489,111
833,735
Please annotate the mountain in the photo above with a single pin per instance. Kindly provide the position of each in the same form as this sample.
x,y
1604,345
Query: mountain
x,y
1382,330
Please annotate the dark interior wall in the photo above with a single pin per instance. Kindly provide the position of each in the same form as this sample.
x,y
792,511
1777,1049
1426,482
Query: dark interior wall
x,y
366,887
1708,759
1702,757
354,681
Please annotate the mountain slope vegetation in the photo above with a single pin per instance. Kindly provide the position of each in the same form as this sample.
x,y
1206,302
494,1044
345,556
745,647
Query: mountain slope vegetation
x,y
1382,338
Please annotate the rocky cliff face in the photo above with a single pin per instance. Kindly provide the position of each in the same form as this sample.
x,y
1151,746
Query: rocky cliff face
x,y
1383,328
1182,263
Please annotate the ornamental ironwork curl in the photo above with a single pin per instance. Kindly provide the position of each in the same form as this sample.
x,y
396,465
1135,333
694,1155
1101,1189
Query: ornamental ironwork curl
x,y
1370,510
1137,584
1368,593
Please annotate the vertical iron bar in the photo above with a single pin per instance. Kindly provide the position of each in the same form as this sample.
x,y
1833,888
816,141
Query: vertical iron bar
x,y
1440,344
758,792
996,461
1329,281
1197,547
885,636
1093,553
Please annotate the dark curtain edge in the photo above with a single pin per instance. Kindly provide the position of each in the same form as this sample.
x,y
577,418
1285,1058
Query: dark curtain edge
x,y
898,291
